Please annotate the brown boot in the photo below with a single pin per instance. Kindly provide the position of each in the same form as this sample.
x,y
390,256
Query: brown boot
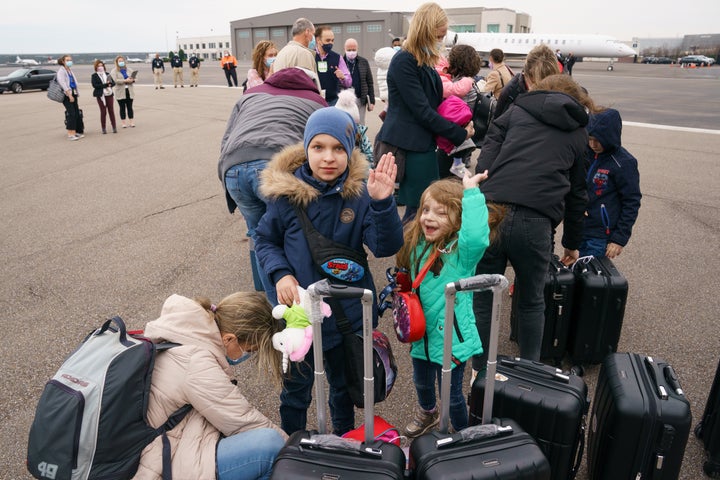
x,y
422,422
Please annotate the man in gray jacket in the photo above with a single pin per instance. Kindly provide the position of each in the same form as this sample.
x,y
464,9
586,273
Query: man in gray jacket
x,y
266,119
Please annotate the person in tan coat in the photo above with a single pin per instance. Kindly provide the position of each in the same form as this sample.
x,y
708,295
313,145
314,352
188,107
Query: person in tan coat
x,y
223,436
500,74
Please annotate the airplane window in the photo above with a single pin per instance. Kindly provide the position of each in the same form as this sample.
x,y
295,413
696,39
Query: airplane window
x,y
563,42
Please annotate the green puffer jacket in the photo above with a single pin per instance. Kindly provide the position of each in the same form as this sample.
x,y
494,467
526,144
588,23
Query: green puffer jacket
x,y
464,256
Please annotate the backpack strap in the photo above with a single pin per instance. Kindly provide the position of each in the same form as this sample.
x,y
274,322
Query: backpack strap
x,y
176,417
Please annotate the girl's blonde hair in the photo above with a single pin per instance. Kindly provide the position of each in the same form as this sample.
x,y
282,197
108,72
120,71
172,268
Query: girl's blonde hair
x,y
541,62
248,316
447,192
567,85
258,56
421,40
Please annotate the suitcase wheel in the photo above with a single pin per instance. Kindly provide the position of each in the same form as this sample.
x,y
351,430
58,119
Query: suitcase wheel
x,y
712,468
577,370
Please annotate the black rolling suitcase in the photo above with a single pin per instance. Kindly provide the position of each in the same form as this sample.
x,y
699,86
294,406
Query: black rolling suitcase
x,y
640,420
559,289
548,404
497,449
307,455
598,310
79,122
708,429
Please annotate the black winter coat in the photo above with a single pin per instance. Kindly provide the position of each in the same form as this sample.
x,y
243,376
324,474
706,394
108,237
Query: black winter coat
x,y
535,157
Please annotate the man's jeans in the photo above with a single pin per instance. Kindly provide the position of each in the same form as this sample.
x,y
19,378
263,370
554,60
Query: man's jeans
x,y
242,182
247,455
297,393
525,239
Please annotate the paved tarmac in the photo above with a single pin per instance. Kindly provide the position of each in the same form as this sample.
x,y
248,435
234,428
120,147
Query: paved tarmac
x,y
113,224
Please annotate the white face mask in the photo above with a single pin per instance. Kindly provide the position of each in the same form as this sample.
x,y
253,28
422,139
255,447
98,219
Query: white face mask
x,y
101,69
351,54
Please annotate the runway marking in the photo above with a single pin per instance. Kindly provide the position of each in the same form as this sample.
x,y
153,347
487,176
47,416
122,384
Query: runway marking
x,y
670,127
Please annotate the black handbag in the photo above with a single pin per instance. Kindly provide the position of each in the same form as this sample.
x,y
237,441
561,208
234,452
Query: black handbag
x,y
483,113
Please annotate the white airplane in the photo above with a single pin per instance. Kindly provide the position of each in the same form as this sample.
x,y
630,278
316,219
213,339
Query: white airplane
x,y
25,61
134,60
519,44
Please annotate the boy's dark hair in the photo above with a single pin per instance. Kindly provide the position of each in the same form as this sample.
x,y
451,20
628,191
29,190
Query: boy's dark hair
x,y
463,61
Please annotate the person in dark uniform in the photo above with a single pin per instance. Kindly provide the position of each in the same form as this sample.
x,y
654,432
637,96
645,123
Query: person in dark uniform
x,y
158,68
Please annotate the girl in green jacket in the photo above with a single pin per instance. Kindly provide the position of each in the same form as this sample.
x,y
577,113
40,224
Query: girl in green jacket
x,y
451,231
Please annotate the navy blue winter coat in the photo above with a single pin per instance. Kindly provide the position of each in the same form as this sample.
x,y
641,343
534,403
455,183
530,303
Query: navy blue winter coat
x,y
343,212
613,182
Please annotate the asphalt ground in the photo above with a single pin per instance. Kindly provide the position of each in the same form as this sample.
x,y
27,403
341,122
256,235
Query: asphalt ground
x,y
114,224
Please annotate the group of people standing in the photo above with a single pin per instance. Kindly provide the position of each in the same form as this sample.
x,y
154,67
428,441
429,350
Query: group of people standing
x,y
108,86
288,157
176,63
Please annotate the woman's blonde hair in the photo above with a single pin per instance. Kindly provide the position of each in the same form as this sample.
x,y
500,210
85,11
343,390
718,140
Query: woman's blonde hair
x,y
447,192
248,316
567,85
421,39
258,56
118,59
540,62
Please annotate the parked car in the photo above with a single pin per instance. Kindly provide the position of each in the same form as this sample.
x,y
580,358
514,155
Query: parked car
x,y
658,60
697,60
27,79
664,60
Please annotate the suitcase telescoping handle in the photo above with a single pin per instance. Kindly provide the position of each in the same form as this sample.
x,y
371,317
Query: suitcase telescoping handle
x,y
317,291
496,283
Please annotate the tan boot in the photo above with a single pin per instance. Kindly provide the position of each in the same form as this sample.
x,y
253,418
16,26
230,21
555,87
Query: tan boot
x,y
422,422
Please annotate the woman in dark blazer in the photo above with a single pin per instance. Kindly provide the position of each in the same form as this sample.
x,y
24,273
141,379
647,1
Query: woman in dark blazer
x,y
103,84
414,93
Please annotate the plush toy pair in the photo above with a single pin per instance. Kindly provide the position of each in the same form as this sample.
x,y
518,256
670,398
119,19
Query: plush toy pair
x,y
295,340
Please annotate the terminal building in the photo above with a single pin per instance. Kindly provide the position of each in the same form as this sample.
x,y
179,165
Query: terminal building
x,y
373,29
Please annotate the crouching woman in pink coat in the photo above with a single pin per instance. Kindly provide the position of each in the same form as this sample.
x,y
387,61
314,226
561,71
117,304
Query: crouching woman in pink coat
x,y
223,436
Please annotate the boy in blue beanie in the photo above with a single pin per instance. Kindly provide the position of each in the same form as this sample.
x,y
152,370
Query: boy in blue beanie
x,y
328,179
613,184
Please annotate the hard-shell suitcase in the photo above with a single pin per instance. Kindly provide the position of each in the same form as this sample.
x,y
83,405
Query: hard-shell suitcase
x,y
640,420
559,289
708,429
497,449
307,455
549,405
598,310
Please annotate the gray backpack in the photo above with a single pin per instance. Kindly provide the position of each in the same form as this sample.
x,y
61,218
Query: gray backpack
x,y
91,420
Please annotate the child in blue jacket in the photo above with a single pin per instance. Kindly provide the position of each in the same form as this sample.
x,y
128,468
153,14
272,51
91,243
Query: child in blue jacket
x,y
613,184
327,177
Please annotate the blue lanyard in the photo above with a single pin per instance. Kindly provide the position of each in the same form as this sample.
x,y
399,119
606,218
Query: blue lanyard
x,y
590,170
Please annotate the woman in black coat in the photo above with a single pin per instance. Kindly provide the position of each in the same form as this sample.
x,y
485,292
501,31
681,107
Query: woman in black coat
x,y
534,154
414,93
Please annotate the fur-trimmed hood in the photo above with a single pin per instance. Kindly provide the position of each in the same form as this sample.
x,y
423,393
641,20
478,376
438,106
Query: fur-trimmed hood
x,y
282,178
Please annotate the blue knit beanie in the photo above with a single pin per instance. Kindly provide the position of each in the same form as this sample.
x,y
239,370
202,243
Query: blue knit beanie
x,y
334,122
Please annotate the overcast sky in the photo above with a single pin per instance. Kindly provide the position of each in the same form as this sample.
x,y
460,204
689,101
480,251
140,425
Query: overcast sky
x,y
80,26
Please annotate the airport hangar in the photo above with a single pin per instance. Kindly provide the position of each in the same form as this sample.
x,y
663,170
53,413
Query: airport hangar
x,y
373,29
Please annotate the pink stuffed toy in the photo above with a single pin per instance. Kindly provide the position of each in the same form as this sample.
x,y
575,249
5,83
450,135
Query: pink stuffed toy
x,y
295,340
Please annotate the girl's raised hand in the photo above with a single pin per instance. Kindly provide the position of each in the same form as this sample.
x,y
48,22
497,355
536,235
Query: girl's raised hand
x,y
472,182
381,181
